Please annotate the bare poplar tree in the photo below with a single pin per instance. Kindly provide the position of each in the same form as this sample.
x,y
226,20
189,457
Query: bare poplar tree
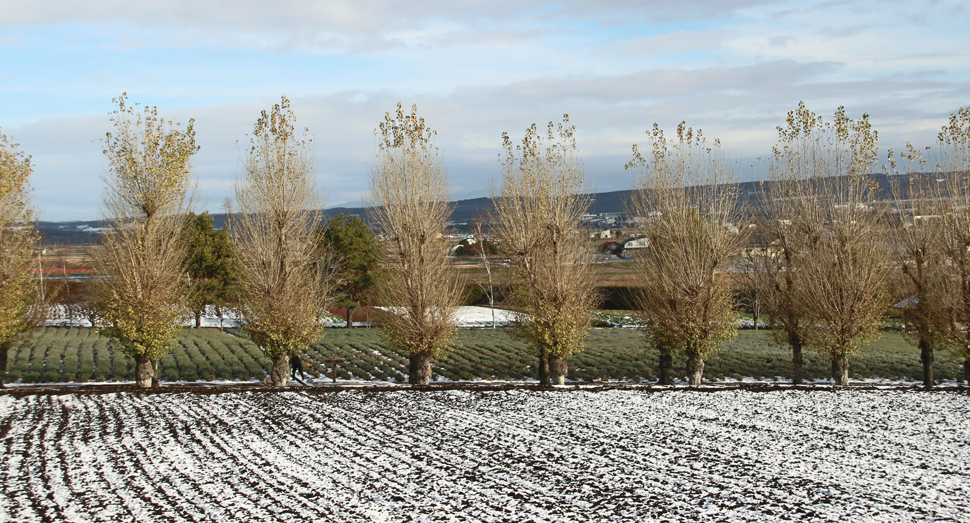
x,y
917,248
835,255
489,290
537,220
17,241
142,295
286,283
409,201
685,294
789,214
771,263
953,168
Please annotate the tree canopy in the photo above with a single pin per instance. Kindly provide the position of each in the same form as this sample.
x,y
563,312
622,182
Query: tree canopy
x,y
409,200
142,295
210,263
17,240
357,255
285,289
538,221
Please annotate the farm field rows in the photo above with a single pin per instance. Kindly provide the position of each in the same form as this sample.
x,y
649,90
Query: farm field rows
x,y
616,455
62,354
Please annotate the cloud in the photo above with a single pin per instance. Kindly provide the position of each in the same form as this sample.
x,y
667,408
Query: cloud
x,y
654,84
12,41
475,70
843,31
683,41
103,75
346,15
739,105
355,25
780,41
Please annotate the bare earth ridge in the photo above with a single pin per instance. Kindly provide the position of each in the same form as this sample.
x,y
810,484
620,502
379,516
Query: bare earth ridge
x,y
486,455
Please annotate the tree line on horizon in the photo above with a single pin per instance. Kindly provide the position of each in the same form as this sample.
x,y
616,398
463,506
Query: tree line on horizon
x,y
818,253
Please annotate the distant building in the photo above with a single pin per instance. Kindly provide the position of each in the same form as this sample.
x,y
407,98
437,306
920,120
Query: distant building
x,y
635,244
610,248
602,235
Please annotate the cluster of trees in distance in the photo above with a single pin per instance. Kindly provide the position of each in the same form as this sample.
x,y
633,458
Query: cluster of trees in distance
x,y
819,252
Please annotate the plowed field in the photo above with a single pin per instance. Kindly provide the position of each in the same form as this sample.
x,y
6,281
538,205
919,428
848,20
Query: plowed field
x,y
620,455
65,355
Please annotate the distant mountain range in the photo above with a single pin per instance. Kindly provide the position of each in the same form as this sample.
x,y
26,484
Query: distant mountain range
x,y
83,232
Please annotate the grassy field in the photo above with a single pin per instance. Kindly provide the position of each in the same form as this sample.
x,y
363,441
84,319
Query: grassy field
x,y
61,354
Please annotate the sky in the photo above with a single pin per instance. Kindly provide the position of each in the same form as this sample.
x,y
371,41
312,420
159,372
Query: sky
x,y
474,69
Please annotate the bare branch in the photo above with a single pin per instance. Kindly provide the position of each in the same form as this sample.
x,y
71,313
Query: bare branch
x,y
142,295
287,283
409,201
538,213
688,203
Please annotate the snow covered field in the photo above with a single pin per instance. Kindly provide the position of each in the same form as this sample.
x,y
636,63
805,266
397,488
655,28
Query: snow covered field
x,y
469,316
565,455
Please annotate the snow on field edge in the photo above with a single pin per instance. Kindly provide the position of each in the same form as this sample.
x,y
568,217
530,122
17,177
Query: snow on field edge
x,y
468,317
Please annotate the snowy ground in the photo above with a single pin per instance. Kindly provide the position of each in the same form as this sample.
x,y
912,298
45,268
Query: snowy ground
x,y
620,455
482,317
467,317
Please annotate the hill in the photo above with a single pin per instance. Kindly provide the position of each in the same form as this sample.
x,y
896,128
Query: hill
x,y
83,232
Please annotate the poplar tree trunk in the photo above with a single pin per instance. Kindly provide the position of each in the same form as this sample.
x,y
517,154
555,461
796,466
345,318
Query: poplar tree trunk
x,y
350,313
966,371
4,349
797,360
663,370
840,371
558,369
543,368
279,376
419,369
695,369
926,357
198,319
144,371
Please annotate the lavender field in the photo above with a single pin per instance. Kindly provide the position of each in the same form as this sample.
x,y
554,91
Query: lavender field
x,y
462,455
